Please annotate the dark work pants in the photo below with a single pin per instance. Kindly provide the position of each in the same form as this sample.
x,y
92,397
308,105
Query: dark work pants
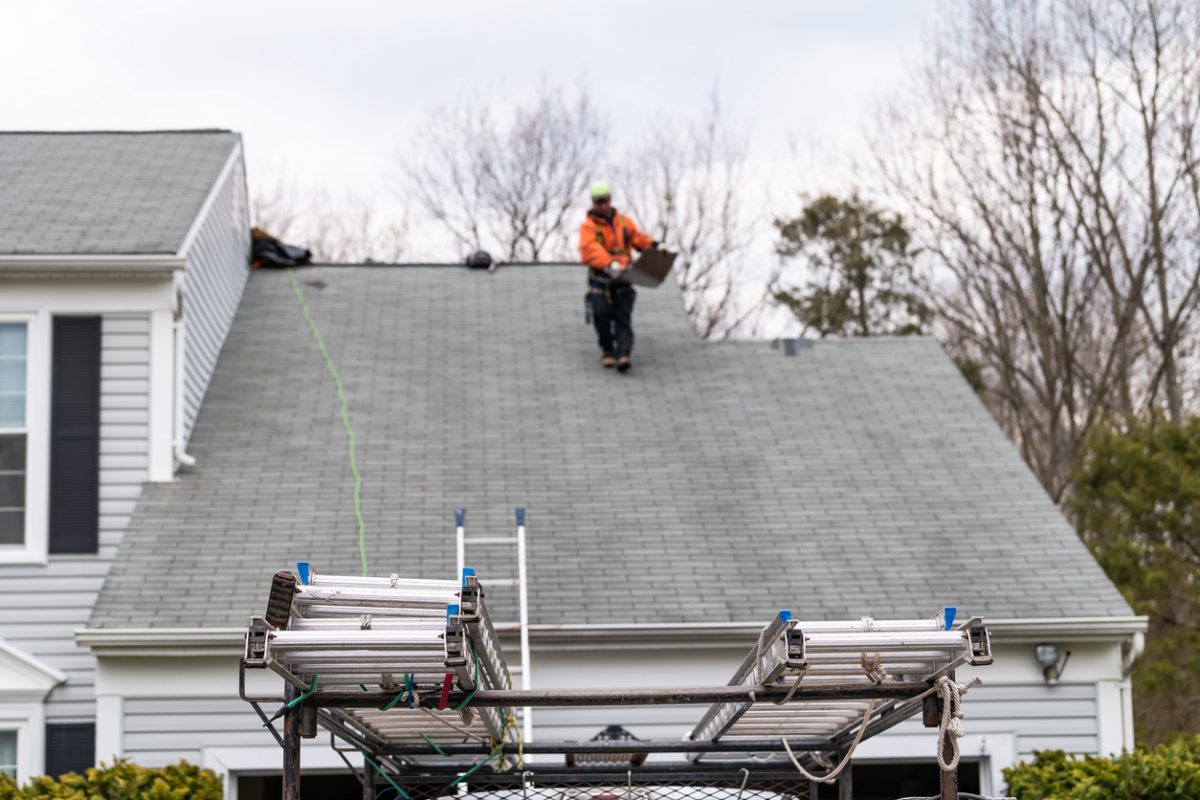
x,y
611,304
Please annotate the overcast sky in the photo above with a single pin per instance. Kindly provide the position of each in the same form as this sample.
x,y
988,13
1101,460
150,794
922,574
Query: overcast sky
x,y
324,91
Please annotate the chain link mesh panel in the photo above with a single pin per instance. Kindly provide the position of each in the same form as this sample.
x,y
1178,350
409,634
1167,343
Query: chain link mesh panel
x,y
623,785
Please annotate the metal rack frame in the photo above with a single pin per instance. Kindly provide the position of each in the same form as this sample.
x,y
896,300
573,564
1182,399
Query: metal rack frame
x,y
802,687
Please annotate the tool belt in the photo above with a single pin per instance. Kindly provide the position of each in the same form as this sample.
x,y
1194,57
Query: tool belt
x,y
600,282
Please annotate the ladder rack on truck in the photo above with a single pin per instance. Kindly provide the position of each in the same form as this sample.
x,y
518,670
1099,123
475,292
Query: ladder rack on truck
x,y
410,673
815,654
419,642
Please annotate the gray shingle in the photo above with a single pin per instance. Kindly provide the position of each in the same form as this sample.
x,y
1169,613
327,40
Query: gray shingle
x,y
716,482
105,192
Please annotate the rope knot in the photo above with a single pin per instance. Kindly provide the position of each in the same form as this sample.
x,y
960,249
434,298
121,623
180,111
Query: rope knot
x,y
950,726
873,667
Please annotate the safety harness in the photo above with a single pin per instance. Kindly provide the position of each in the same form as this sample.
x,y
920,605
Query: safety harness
x,y
620,231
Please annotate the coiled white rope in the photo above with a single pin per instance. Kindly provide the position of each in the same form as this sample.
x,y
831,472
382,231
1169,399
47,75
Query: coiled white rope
x,y
950,726
832,776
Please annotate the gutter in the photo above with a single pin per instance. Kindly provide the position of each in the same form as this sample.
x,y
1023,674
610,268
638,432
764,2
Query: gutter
x,y
649,636
162,641
74,265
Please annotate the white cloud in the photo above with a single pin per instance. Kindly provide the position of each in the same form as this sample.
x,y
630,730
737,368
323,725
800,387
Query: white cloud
x,y
324,90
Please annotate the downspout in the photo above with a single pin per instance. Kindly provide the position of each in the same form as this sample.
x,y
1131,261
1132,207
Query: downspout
x,y
1131,651
182,458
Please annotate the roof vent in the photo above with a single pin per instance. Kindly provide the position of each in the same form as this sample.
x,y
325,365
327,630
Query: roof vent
x,y
794,347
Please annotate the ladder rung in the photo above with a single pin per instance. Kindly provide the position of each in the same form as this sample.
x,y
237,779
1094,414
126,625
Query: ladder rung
x,y
489,583
490,540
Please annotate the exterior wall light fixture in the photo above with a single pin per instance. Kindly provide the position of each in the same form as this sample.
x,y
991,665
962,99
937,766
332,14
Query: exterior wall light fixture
x,y
1047,656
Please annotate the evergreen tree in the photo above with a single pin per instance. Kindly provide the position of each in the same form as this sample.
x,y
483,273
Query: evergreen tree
x,y
860,274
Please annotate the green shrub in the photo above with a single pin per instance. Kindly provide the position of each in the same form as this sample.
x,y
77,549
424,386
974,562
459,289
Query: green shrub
x,y
8,788
121,781
1167,772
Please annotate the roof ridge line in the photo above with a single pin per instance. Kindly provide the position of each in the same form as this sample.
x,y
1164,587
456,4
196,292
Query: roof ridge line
x,y
96,131
458,264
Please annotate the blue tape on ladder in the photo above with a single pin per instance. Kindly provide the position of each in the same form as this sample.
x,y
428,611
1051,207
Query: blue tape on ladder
x,y
460,514
304,571
949,612
468,572
452,610
785,615
520,515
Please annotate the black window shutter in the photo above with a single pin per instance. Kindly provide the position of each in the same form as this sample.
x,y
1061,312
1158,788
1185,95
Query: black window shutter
x,y
75,436
70,747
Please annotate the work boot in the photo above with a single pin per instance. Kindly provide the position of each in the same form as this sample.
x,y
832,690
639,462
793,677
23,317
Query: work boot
x,y
623,364
608,362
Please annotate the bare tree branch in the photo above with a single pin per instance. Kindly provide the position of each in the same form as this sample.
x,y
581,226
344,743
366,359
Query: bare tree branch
x,y
686,184
512,181
349,229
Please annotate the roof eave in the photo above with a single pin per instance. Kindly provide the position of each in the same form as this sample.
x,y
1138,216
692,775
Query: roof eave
x,y
161,641
228,641
91,265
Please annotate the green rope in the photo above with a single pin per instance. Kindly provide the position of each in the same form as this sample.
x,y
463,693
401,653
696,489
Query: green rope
x,y
386,777
344,407
297,700
409,688
467,699
435,747
495,752
392,703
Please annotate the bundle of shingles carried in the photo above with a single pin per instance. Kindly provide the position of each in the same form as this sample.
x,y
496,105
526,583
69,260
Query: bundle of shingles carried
x,y
418,641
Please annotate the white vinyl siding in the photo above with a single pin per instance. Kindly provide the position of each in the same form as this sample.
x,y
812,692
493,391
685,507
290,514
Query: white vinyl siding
x,y
218,265
160,730
41,606
1061,717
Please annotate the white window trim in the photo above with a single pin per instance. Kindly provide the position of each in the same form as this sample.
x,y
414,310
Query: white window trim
x,y
27,682
993,752
29,722
35,549
231,763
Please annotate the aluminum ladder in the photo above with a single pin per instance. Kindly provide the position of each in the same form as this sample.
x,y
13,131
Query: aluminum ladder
x,y
522,586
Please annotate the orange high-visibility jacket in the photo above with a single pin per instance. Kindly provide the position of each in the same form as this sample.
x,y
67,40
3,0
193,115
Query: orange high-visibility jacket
x,y
602,242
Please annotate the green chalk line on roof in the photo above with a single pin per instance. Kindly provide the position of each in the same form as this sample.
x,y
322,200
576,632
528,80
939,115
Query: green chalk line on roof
x,y
345,412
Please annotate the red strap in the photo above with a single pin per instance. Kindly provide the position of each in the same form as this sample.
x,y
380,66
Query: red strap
x,y
445,691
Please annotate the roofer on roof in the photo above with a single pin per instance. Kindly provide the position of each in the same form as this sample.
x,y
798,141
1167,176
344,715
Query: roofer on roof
x,y
605,240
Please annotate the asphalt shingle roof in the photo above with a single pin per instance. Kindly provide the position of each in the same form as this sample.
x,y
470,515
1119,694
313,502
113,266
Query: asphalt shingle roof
x,y
715,482
105,192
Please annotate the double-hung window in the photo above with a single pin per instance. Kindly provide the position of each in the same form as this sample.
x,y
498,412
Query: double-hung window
x,y
49,436
8,753
14,431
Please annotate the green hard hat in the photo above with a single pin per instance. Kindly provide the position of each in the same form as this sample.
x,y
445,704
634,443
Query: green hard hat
x,y
600,189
